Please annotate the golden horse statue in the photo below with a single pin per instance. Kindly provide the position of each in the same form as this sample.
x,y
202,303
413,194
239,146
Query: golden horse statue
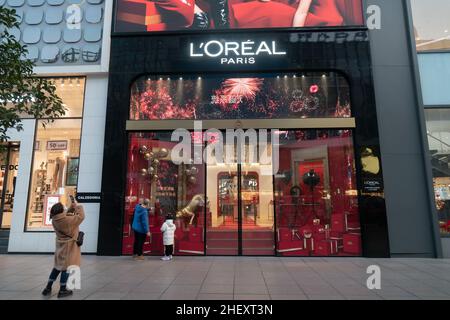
x,y
189,211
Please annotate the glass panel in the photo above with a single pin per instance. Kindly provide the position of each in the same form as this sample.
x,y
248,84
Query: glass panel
x,y
316,195
71,91
55,169
431,24
262,96
438,130
257,211
222,186
172,188
8,183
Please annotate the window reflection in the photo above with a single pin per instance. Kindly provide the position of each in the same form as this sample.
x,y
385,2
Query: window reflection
x,y
431,24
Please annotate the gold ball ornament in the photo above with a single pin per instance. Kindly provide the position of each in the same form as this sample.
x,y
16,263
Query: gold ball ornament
x,y
163,153
192,180
143,149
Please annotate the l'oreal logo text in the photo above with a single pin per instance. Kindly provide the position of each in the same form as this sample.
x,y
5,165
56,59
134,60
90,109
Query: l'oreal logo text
x,y
232,52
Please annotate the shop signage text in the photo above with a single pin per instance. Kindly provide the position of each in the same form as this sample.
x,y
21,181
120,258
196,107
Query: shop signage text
x,y
89,197
57,145
233,52
11,167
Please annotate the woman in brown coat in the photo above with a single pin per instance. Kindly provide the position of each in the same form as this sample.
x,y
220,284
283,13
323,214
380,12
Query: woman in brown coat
x,y
67,253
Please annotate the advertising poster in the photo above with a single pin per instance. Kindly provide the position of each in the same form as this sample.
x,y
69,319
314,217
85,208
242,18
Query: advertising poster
x,y
202,15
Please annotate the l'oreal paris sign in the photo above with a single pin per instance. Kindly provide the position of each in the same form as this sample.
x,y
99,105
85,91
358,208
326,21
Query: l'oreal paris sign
x,y
233,52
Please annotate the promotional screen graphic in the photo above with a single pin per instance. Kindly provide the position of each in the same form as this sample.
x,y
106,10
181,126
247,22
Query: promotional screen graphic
x,y
179,15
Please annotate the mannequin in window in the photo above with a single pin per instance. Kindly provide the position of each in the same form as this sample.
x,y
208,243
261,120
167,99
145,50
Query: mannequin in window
x,y
58,174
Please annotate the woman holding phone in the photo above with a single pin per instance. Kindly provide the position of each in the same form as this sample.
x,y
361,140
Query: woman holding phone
x,y
66,222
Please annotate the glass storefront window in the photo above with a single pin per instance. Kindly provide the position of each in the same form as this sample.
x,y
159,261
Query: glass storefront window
x,y
308,208
431,24
56,156
55,169
316,194
261,96
171,189
9,165
438,131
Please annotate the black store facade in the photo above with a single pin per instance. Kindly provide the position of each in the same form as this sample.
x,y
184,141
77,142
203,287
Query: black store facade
x,y
327,129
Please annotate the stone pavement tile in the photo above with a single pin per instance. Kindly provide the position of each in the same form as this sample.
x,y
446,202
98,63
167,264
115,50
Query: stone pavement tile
x,y
217,288
396,298
187,280
159,280
363,297
176,295
219,280
32,295
354,290
188,289
250,289
150,288
433,298
106,296
325,297
424,291
251,297
319,290
284,290
77,295
117,287
288,297
22,285
214,296
7,295
141,296
280,282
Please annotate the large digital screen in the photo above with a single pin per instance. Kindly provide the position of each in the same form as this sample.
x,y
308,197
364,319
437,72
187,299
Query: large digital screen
x,y
178,15
262,96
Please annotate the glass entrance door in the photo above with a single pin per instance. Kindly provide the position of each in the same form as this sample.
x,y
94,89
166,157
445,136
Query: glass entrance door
x,y
241,205
9,163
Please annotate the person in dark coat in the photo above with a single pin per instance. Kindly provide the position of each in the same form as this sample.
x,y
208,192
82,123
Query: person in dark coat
x,y
140,228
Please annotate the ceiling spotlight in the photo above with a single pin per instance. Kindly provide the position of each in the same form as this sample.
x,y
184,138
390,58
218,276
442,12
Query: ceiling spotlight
x,y
285,76
62,82
78,82
181,78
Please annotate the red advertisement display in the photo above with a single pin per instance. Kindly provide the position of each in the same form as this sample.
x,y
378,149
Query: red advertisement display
x,y
178,15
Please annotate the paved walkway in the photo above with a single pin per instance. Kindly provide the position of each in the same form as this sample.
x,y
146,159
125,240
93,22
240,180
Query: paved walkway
x,y
188,278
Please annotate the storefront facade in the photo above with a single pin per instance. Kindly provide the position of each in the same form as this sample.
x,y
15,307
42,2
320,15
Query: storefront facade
x,y
69,44
312,90
337,101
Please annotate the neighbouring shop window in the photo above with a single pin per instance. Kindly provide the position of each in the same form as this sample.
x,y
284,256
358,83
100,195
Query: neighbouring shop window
x,y
431,24
9,166
263,96
56,156
438,131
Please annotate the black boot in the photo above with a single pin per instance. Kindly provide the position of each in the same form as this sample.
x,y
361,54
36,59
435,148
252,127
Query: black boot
x,y
220,14
47,291
64,293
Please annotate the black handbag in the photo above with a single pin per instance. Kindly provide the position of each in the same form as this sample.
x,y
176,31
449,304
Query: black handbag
x,y
80,238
